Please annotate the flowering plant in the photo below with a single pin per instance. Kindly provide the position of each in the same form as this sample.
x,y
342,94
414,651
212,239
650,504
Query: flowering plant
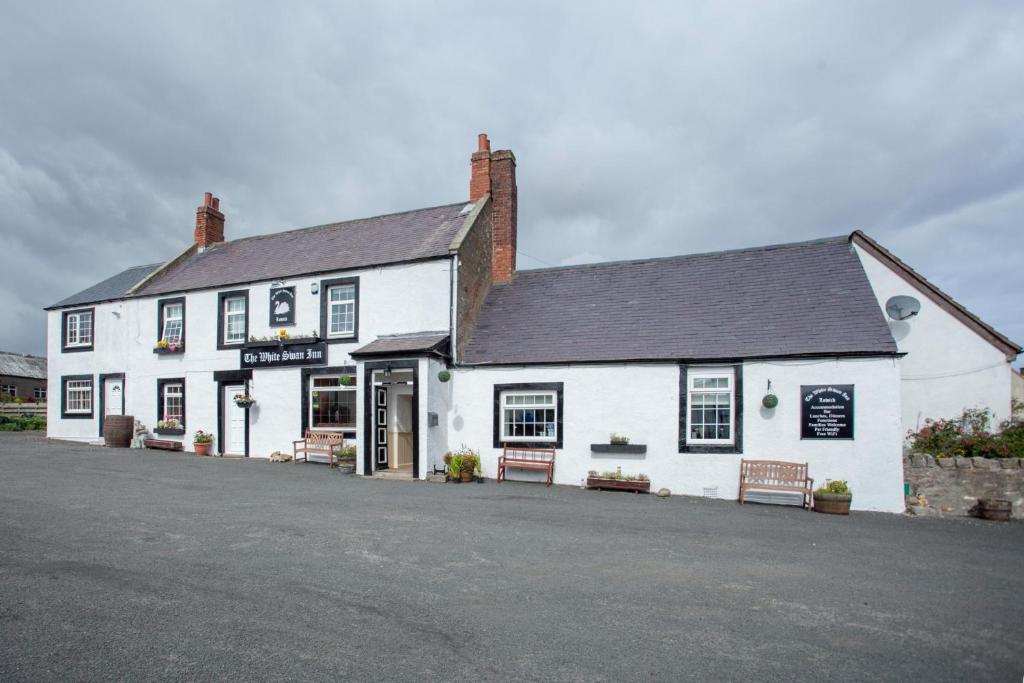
x,y
168,424
202,437
163,344
282,333
244,400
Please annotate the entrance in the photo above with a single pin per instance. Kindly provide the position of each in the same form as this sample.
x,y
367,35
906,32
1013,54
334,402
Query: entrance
x,y
235,418
392,418
111,396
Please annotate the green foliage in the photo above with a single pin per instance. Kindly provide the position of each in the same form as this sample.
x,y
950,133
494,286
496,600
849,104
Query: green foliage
x,y
839,487
346,452
617,475
464,459
969,435
202,437
22,424
618,439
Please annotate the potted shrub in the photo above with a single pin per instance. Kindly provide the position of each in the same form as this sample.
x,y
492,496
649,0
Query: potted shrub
x,y
201,442
618,440
833,498
454,462
617,481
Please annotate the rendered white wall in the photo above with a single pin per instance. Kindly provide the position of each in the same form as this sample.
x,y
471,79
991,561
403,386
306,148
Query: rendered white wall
x,y
642,402
948,366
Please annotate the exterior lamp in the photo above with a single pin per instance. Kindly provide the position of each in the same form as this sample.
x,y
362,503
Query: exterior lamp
x,y
314,288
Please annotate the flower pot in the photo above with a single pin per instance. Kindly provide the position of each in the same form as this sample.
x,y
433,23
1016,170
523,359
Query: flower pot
x,y
466,476
201,448
636,486
832,503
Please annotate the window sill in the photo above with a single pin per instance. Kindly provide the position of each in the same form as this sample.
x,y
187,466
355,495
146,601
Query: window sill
x,y
619,448
341,340
169,352
75,349
163,431
278,342
723,449
76,416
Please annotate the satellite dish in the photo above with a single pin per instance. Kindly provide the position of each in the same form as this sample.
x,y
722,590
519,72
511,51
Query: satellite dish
x,y
902,307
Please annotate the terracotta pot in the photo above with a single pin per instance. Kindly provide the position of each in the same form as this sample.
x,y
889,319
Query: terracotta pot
x,y
466,475
832,503
202,448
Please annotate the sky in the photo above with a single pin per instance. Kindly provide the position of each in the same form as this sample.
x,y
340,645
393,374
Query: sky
x,y
640,129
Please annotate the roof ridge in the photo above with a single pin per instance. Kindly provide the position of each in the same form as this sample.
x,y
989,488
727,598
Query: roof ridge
x,y
681,257
339,223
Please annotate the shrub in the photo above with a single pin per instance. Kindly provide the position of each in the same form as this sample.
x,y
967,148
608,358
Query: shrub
x,y
969,435
22,424
839,487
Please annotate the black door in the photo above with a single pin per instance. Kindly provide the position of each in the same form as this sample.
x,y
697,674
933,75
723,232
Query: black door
x,y
380,405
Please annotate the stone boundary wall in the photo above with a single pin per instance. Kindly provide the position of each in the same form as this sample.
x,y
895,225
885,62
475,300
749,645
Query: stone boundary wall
x,y
952,486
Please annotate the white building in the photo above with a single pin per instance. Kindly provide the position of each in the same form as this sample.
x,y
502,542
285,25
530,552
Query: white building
x,y
414,333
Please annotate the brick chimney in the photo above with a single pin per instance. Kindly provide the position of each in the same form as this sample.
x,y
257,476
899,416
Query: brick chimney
x,y
209,222
494,173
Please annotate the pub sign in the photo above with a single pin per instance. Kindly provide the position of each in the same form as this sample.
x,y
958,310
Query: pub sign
x,y
284,355
826,411
282,306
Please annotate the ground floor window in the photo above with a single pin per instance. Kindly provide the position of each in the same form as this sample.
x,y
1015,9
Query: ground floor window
x,y
332,403
76,396
528,414
710,408
9,389
39,393
171,403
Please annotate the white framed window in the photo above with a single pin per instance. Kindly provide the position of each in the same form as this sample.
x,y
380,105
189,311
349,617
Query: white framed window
x,y
234,320
78,398
341,310
173,403
173,323
9,389
332,405
39,393
529,416
78,329
711,407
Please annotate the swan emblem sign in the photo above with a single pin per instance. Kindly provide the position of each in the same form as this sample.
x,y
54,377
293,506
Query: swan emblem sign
x,y
282,306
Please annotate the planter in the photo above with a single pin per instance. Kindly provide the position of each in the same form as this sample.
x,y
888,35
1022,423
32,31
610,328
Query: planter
x,y
279,342
619,448
466,476
168,351
118,430
832,503
994,509
245,404
770,401
618,485
202,448
169,431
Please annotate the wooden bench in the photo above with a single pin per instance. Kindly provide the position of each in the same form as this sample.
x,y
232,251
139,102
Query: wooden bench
x,y
527,459
317,442
776,475
162,444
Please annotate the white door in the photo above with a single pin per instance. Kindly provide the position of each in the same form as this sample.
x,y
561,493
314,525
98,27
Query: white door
x,y
233,432
113,401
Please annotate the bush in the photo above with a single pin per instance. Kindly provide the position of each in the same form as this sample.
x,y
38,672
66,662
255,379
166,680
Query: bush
x,y
22,424
838,487
968,436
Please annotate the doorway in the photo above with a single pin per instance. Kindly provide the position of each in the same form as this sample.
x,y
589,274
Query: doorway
x,y
111,396
391,418
234,431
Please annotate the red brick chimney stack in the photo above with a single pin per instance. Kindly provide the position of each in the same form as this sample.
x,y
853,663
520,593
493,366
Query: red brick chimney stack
x,y
209,222
494,173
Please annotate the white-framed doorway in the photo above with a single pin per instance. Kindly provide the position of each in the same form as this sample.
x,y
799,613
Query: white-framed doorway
x,y
111,390
234,430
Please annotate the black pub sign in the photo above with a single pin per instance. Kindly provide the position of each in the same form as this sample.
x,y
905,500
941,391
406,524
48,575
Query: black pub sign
x,y
284,355
826,411
282,306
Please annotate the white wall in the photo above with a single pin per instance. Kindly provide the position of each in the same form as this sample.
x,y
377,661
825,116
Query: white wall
x,y
392,300
642,402
948,366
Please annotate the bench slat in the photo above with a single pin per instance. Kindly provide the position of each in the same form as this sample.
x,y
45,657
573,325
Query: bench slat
x,y
776,475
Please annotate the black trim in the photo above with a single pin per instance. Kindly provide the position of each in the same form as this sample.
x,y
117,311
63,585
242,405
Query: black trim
x,y
270,306
233,294
225,378
324,285
64,397
623,448
160,384
64,348
160,304
532,386
737,446
368,431
103,394
440,349
168,432
304,388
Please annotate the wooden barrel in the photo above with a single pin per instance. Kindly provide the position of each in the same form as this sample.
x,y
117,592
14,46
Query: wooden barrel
x,y
118,430
995,509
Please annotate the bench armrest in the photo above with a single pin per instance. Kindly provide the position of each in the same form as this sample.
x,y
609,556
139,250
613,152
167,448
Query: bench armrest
x,y
296,443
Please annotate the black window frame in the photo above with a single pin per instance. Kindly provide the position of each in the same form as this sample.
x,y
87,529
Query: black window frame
x,y
221,297
558,387
307,376
161,304
64,348
325,286
160,384
64,414
736,447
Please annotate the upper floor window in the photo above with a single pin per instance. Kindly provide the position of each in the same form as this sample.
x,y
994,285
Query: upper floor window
x,y
339,308
76,396
234,318
172,321
77,330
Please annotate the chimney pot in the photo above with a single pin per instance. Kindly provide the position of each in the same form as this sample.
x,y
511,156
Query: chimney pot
x,y
209,222
207,199
216,203
483,144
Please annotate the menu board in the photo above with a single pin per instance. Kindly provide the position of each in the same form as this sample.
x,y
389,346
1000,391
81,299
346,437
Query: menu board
x,y
826,411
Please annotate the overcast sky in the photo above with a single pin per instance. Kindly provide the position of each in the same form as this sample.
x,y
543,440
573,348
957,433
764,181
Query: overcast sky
x,y
641,129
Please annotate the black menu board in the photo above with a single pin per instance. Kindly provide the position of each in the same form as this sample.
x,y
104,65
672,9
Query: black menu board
x,y
826,411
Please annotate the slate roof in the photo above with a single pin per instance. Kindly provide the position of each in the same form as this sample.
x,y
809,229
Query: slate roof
x,y
394,238
809,298
112,288
418,342
21,365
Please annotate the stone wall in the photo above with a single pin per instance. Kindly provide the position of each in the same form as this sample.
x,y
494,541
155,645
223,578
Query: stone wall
x,y
952,486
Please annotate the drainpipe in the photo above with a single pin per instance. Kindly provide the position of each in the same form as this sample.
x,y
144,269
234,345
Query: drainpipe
x,y
451,304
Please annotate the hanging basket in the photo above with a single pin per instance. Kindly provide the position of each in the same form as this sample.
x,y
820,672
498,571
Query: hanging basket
x,y
444,376
347,380
770,401
245,402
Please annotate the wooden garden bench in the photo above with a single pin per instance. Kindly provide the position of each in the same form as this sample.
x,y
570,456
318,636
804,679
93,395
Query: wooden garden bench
x,y
776,475
162,444
527,459
317,442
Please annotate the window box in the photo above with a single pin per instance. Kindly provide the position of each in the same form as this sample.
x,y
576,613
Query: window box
x,y
168,351
619,448
280,342
618,485
169,431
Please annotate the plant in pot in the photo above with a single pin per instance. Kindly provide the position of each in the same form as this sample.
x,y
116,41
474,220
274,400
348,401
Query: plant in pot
x,y
833,498
454,461
618,440
201,442
244,400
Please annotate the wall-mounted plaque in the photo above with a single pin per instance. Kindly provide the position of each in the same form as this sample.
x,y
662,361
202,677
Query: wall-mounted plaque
x,y
826,411
282,306
284,355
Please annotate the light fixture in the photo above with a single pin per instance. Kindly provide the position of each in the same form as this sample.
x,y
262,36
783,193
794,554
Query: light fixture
x,y
387,371
314,288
